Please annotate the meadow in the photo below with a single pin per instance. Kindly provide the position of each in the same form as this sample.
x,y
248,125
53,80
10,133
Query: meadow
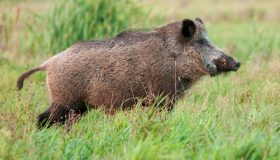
x,y
231,116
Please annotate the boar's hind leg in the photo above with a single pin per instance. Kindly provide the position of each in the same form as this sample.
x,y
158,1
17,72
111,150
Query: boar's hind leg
x,y
44,119
60,114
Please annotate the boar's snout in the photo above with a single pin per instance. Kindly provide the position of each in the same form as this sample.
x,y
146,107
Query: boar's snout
x,y
226,64
236,66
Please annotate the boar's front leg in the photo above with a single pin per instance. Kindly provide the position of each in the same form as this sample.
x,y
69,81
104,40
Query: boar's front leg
x,y
169,103
165,103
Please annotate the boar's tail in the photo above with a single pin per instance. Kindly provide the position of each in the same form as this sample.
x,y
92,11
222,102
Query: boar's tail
x,y
28,73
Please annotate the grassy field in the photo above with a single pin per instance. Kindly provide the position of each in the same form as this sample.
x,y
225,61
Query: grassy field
x,y
231,116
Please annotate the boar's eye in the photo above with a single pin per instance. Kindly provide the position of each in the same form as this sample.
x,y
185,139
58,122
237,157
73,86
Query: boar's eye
x,y
202,41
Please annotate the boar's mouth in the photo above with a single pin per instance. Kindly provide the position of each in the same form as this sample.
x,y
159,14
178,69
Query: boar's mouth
x,y
213,72
210,67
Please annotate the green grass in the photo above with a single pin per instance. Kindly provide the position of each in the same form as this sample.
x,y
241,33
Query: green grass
x,y
231,116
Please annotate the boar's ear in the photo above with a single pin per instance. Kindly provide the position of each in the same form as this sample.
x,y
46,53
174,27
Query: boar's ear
x,y
199,20
188,28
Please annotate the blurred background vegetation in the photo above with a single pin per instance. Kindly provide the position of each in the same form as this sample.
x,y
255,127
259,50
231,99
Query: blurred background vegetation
x,y
232,116
49,26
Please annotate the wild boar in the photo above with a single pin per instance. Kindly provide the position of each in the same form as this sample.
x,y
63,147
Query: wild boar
x,y
115,73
